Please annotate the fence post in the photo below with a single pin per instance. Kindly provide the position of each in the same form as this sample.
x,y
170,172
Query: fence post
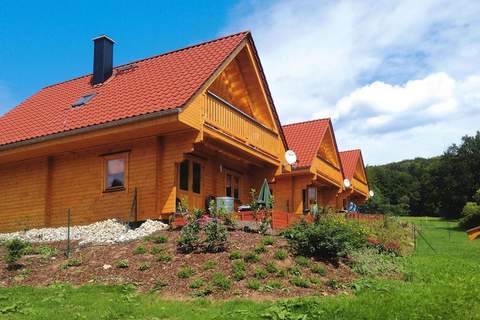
x,y
69,219
414,239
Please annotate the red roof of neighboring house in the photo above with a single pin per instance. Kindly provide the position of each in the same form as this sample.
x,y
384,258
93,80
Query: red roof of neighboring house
x,y
349,161
304,139
159,83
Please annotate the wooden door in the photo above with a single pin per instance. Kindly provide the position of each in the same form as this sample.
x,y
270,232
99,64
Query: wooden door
x,y
190,183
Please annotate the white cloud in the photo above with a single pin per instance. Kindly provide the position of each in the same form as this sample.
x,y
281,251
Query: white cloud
x,y
381,69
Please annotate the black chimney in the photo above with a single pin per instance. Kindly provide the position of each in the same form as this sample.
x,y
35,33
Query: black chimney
x,y
102,59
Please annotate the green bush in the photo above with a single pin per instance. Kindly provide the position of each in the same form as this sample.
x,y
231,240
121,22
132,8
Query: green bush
x,y
294,270
73,262
268,241
260,249
251,257
139,250
156,250
271,267
16,248
369,262
208,265
189,237
164,257
157,238
122,264
302,261
144,266
234,255
280,254
220,281
215,236
300,282
196,283
238,269
470,216
47,251
318,269
274,284
253,284
185,272
260,273
332,237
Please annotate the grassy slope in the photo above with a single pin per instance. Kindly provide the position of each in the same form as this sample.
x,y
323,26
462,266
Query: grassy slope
x,y
442,285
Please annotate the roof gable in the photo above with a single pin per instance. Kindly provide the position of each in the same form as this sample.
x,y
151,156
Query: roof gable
x,y
352,164
146,86
305,139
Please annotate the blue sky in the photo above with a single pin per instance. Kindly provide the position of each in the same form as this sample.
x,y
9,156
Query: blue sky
x,y
399,79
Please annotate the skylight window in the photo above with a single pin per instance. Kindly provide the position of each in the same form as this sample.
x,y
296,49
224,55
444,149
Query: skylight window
x,y
83,100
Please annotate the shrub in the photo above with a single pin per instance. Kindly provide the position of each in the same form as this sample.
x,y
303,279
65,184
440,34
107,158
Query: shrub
x,y
268,241
369,262
215,236
189,237
235,255
281,273
260,249
47,251
318,269
470,216
159,285
280,254
73,262
332,237
15,249
253,284
251,257
274,284
294,270
156,250
238,268
271,267
164,257
300,282
220,281
196,283
208,265
260,273
139,250
302,261
185,272
157,238
144,266
122,264
332,283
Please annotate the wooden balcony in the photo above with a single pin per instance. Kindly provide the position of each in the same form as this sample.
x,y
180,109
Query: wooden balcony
x,y
234,124
328,172
360,186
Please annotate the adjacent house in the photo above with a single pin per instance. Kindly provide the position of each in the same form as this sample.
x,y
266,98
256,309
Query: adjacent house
x,y
316,178
130,141
354,171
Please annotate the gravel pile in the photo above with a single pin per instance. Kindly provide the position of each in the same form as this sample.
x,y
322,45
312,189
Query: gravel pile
x,y
103,232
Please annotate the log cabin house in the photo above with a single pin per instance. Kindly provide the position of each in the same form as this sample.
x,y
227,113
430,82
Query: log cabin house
x,y
128,142
354,171
316,178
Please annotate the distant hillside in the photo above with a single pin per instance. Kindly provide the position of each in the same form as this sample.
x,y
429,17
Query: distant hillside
x,y
434,186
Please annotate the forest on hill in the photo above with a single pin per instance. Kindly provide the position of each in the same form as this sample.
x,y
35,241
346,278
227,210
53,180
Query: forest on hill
x,y
438,186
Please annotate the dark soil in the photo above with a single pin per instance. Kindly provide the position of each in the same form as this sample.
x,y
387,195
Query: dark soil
x,y
161,276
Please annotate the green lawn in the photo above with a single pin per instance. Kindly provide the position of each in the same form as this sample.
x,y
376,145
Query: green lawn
x,y
440,285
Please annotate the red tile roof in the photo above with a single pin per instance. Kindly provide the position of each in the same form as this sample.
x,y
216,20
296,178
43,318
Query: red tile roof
x,y
304,139
349,161
155,84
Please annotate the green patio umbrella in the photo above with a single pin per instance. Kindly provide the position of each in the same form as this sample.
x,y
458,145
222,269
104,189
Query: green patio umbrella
x,y
265,196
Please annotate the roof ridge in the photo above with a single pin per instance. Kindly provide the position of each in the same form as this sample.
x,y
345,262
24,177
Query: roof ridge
x,y
307,121
156,56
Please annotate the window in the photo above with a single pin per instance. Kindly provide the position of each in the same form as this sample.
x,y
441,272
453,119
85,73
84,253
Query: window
x,y
183,179
310,198
115,173
83,100
232,186
197,172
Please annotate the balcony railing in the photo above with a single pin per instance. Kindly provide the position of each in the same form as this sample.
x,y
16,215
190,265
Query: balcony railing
x,y
233,122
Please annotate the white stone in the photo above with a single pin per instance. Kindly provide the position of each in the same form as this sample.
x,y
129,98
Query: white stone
x,y
103,232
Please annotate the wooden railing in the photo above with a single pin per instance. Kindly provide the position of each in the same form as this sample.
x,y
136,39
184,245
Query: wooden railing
x,y
239,125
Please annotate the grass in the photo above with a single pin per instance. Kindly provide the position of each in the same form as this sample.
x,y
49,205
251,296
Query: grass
x,y
440,285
